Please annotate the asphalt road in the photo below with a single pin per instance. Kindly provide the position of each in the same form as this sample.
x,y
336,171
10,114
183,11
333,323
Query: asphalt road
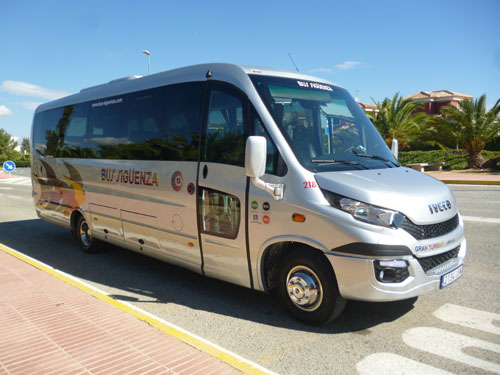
x,y
454,330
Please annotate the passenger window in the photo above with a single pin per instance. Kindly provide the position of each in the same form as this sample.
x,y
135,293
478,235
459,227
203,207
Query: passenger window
x,y
156,124
39,140
103,129
225,132
55,122
182,121
75,134
220,213
274,163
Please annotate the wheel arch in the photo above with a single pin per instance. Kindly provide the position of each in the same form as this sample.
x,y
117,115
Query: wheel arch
x,y
275,250
75,216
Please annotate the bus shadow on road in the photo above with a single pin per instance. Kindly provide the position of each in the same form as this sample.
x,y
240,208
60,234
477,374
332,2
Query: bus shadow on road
x,y
139,279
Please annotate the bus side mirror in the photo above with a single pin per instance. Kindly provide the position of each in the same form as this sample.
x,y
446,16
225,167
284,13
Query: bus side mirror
x,y
394,148
255,156
255,166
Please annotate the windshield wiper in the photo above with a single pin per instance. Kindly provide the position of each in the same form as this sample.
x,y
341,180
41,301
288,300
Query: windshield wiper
x,y
375,157
334,161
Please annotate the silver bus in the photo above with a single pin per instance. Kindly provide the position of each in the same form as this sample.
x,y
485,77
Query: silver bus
x,y
269,179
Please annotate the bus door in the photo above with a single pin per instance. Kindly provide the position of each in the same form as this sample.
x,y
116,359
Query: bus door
x,y
222,186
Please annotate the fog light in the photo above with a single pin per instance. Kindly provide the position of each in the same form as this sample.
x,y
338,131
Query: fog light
x,y
391,271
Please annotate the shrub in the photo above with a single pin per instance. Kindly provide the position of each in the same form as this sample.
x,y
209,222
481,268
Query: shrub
x,y
452,159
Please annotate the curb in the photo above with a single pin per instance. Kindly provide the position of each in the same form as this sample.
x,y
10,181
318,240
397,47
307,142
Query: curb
x,y
470,182
226,356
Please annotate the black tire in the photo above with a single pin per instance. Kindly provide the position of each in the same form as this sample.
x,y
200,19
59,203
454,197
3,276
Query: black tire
x,y
84,237
308,287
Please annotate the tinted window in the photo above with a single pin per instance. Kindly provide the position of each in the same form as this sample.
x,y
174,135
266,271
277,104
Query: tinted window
x,y
39,141
104,126
182,122
225,132
54,125
75,141
156,124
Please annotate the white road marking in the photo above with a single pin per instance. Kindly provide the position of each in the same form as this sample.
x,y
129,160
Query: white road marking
x,y
481,219
14,196
393,364
5,188
16,181
450,345
467,317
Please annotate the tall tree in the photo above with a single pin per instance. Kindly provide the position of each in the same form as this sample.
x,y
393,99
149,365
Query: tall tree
x,y
7,146
6,141
469,126
399,119
25,146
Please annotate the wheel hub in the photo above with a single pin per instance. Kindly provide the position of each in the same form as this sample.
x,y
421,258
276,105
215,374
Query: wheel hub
x,y
304,288
85,234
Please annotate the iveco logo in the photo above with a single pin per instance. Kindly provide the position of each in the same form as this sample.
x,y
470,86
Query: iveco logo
x,y
439,206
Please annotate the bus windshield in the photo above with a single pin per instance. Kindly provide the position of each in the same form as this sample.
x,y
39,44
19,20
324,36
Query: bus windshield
x,y
324,126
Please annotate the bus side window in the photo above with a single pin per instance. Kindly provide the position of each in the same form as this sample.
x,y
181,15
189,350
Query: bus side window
x,y
39,140
274,162
51,121
76,133
181,127
103,127
225,132
220,213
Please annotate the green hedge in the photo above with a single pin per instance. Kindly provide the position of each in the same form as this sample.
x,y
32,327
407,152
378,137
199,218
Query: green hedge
x,y
22,163
452,159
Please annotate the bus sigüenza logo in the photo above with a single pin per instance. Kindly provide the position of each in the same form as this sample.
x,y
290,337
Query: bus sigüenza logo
x,y
439,206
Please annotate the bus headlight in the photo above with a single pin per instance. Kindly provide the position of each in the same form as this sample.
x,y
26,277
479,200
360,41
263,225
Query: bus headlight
x,y
364,211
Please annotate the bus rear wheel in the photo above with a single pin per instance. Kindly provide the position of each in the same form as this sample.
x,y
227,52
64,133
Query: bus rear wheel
x,y
308,288
83,233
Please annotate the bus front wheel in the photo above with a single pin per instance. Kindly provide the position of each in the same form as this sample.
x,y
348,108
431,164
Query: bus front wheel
x,y
308,288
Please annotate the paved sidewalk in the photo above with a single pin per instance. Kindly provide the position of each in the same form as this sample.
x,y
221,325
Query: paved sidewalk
x,y
480,177
50,327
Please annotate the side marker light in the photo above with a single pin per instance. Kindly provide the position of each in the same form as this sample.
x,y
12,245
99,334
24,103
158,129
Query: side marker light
x,y
298,218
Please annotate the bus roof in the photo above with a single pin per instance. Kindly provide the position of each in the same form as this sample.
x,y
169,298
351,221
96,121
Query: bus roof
x,y
234,74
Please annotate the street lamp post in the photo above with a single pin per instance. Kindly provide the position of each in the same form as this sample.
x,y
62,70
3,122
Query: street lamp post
x,y
147,53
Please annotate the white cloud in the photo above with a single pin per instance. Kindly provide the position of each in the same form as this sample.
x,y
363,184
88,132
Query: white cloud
x,y
348,65
30,105
321,70
4,111
340,67
28,89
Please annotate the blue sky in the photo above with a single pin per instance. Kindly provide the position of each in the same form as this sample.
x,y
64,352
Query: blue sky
x,y
372,48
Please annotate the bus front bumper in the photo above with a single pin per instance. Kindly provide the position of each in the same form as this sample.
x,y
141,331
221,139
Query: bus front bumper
x,y
357,280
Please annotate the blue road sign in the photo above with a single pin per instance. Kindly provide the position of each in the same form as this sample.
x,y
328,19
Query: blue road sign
x,y
9,166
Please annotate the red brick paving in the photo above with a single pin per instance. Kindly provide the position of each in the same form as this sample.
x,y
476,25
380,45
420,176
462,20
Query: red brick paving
x,y
49,327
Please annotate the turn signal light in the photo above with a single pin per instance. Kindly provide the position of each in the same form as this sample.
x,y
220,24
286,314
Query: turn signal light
x,y
299,218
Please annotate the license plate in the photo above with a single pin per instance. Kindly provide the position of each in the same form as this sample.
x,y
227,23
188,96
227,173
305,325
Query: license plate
x,y
450,277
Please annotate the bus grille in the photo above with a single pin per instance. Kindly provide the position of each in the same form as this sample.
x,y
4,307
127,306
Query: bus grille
x,y
423,232
429,263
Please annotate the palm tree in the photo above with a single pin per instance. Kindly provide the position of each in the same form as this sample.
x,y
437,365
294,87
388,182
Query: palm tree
x,y
399,119
470,126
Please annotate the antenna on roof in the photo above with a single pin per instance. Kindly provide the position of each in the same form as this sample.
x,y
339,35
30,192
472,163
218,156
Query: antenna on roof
x,y
293,62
